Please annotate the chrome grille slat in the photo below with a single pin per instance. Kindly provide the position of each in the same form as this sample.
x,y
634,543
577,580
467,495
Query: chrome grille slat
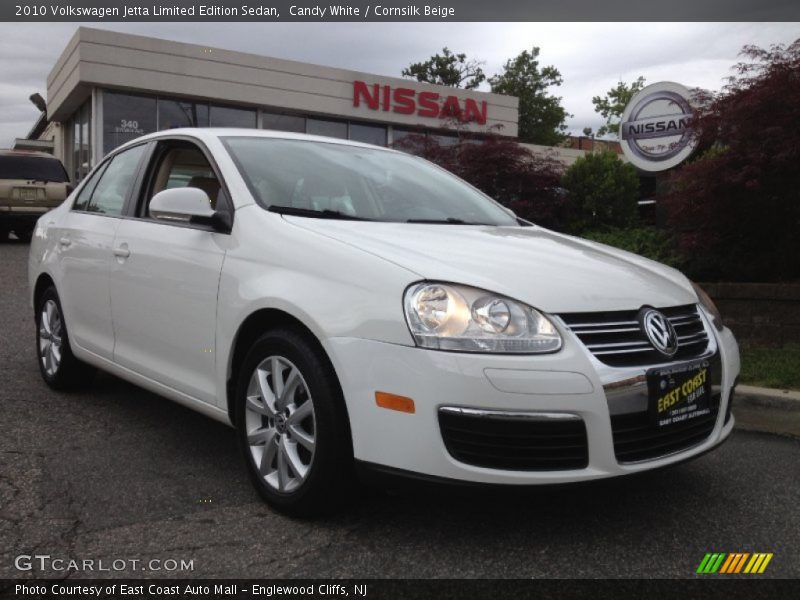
x,y
616,338
599,331
622,323
623,351
617,345
695,337
684,320
703,341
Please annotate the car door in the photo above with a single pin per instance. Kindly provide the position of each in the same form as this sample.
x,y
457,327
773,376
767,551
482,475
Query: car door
x,y
84,243
165,278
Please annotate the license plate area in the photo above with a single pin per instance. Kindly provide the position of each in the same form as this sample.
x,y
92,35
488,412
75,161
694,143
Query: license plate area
x,y
28,194
679,393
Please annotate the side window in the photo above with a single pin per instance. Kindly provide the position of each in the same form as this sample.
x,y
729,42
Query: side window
x,y
184,165
115,183
82,201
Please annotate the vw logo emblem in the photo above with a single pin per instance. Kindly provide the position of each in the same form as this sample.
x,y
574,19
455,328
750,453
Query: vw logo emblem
x,y
280,423
659,332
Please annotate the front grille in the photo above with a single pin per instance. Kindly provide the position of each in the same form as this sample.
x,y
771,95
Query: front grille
x,y
513,442
636,438
616,338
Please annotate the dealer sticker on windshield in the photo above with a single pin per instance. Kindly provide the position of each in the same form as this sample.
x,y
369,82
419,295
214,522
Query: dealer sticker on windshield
x,y
679,393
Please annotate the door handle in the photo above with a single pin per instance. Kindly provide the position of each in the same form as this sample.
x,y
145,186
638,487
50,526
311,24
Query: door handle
x,y
122,251
65,242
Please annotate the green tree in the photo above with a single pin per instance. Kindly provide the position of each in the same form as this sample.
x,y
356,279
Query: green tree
x,y
612,105
541,116
453,70
603,191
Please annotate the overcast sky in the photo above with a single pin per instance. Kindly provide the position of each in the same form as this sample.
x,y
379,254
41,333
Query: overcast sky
x,y
592,57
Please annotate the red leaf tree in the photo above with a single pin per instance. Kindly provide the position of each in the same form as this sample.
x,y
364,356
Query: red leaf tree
x,y
736,207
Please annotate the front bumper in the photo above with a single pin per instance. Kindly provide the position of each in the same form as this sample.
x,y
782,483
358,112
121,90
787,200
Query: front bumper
x,y
569,382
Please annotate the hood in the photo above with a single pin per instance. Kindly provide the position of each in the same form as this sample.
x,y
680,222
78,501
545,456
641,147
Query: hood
x,y
549,271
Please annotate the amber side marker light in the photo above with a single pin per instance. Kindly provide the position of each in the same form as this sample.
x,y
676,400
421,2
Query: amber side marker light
x,y
393,402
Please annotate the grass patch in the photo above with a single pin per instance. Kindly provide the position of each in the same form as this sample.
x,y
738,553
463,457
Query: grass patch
x,y
771,367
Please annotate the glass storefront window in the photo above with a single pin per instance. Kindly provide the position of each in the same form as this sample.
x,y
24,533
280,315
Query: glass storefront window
x,y
180,113
279,122
227,116
414,140
126,117
336,129
369,134
79,132
399,133
444,139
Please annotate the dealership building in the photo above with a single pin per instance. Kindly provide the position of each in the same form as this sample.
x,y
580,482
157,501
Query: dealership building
x,y
107,88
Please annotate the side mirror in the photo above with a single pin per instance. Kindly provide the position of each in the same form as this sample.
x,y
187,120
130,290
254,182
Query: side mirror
x,y
190,205
181,204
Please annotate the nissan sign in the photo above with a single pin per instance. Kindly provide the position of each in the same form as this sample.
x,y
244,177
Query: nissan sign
x,y
656,131
408,101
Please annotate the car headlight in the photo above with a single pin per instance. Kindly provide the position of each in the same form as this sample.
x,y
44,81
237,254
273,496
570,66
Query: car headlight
x,y
708,304
464,319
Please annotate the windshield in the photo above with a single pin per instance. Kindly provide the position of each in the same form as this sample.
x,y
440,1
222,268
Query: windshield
x,y
32,168
325,179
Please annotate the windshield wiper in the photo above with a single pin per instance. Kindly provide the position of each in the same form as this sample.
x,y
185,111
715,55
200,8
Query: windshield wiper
x,y
447,221
317,214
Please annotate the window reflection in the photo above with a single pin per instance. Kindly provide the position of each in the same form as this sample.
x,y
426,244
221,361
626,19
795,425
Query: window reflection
x,y
180,113
335,129
228,116
369,134
126,117
280,122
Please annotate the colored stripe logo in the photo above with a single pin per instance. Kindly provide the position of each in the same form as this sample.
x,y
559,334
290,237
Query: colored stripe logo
x,y
734,563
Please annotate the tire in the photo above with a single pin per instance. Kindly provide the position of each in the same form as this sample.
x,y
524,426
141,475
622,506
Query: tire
x,y
3,235
297,446
58,366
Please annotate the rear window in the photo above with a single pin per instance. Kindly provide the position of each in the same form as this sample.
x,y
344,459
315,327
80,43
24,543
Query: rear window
x,y
32,168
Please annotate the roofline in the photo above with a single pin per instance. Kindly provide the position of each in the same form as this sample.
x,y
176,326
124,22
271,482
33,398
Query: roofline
x,y
82,31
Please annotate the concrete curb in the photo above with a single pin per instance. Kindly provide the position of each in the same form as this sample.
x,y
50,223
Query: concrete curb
x,y
767,410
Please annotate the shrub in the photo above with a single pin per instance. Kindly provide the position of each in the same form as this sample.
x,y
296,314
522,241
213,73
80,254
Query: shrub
x,y
604,192
650,242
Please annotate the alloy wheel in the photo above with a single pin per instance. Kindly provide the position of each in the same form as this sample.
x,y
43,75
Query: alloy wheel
x,y
50,337
280,423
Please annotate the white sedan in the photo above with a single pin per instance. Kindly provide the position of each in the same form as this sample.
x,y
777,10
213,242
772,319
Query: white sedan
x,y
345,306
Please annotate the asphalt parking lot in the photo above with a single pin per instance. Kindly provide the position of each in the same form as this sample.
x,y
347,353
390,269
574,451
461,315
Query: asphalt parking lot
x,y
118,473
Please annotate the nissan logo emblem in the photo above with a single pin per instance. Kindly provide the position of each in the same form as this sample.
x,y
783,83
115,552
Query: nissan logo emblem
x,y
655,130
659,332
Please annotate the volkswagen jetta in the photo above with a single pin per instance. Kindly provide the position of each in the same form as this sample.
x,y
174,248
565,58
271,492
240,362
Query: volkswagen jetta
x,y
342,304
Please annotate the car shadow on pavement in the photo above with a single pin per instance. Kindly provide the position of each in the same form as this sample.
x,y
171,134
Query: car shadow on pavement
x,y
142,456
